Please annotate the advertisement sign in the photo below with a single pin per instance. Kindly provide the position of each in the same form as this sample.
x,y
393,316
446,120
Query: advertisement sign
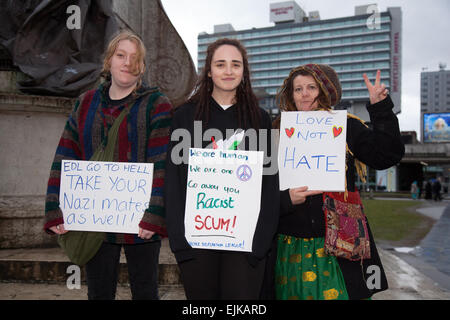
x,y
436,127
285,11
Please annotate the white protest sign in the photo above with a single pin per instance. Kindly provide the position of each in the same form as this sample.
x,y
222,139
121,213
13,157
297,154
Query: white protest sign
x,y
312,150
104,196
223,198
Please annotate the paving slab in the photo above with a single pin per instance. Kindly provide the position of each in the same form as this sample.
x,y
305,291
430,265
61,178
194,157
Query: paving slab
x,y
405,283
44,291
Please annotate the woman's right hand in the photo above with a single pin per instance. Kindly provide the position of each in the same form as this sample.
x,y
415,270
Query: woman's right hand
x,y
59,229
298,195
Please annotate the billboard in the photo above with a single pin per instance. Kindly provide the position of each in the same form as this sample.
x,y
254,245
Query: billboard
x,y
436,127
387,179
286,11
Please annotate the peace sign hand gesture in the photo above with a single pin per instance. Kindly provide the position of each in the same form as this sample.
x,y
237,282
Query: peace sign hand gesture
x,y
377,92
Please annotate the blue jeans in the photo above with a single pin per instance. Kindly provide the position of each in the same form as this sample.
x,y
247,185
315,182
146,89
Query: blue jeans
x,y
102,271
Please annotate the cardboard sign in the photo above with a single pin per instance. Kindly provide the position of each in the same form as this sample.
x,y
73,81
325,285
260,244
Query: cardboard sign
x,y
312,150
223,198
104,196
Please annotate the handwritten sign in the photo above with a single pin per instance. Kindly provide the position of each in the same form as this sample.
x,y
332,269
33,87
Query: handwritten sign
x,y
223,198
312,150
104,196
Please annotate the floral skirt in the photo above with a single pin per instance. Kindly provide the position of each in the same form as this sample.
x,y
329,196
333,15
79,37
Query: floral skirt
x,y
304,272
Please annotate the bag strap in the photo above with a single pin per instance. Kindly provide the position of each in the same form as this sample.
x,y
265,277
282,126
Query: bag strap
x,y
106,153
351,197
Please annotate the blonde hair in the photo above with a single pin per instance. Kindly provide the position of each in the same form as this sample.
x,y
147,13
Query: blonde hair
x,y
137,65
439,124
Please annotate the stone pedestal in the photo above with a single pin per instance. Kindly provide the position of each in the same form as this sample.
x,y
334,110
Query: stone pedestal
x,y
31,126
21,222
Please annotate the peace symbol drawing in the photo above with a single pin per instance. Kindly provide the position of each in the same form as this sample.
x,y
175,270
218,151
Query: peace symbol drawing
x,y
244,173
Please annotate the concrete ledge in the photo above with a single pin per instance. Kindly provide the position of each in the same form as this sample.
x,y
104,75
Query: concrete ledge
x,y
23,278
45,291
50,266
21,223
16,102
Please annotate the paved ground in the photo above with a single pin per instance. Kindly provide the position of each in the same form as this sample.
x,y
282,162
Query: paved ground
x,y
405,281
432,255
416,275
435,247
29,291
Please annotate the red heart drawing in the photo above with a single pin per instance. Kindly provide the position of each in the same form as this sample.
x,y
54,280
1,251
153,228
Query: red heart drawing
x,y
289,132
337,131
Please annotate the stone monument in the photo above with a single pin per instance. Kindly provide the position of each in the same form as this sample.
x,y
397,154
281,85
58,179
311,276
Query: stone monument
x,y
31,124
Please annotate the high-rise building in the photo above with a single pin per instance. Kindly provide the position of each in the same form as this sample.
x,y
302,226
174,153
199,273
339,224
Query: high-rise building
x,y
435,90
435,105
363,43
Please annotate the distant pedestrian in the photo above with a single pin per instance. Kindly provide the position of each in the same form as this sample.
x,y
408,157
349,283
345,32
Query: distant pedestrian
x,y
421,188
414,190
428,190
437,190
144,115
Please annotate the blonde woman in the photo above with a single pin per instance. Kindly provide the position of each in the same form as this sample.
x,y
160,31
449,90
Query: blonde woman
x,y
142,137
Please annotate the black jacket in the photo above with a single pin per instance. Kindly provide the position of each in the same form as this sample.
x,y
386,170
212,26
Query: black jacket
x,y
379,147
176,180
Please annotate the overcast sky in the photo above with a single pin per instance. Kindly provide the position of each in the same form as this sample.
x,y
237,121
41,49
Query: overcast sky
x,y
426,30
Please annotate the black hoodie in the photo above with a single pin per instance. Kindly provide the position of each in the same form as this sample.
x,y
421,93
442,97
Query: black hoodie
x,y
176,180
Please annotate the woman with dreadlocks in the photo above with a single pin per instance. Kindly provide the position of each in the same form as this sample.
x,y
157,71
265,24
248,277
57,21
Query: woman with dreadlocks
x,y
223,99
325,249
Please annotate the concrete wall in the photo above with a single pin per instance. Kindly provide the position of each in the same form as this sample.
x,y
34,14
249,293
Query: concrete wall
x,y
30,128
30,140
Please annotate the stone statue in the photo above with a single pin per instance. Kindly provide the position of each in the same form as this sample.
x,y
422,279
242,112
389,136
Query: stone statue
x,y
59,46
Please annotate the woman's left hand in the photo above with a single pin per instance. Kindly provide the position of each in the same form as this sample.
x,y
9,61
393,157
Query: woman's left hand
x,y
378,91
145,234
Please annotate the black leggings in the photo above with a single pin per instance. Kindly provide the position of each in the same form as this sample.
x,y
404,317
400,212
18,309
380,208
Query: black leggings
x,y
221,275
102,271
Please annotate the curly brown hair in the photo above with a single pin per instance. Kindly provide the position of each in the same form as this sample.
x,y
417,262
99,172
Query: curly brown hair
x,y
285,94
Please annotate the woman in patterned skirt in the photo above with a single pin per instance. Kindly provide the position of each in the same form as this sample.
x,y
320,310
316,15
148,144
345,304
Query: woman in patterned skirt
x,y
304,268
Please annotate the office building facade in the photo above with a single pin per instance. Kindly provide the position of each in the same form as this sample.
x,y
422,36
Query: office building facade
x,y
363,43
435,105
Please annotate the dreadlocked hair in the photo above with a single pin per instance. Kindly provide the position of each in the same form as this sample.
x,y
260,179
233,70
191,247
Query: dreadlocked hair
x,y
247,104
